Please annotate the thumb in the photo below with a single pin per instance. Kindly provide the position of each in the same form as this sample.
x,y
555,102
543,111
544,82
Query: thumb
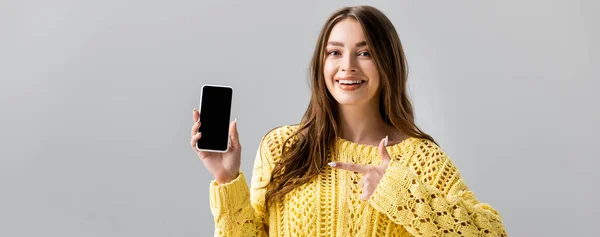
x,y
385,157
233,134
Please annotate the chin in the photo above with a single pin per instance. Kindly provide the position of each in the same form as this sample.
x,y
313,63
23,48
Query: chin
x,y
344,100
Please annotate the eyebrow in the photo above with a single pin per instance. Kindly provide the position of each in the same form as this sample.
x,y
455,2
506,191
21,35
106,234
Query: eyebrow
x,y
337,43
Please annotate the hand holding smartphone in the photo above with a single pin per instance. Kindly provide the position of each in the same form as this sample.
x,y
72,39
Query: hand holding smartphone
x,y
214,138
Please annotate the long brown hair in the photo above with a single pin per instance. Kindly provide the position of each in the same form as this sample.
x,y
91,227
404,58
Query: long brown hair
x,y
307,151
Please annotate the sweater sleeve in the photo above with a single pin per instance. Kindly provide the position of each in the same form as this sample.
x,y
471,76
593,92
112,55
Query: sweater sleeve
x,y
238,210
425,193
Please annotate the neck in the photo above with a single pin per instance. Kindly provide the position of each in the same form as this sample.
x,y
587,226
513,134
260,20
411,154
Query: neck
x,y
362,124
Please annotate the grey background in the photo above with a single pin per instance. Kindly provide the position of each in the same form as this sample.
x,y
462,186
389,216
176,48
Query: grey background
x,y
96,100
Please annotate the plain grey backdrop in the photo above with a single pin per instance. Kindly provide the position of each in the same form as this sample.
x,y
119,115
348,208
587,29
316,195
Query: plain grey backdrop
x,y
97,97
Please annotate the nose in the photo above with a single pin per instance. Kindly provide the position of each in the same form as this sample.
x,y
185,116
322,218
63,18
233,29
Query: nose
x,y
348,64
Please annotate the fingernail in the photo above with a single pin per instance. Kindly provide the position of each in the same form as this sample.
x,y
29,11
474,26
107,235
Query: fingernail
x,y
332,164
194,110
235,120
386,140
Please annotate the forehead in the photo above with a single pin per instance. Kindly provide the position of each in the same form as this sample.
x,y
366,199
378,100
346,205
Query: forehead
x,y
348,31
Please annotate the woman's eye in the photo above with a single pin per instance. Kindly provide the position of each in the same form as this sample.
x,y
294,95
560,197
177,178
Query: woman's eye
x,y
334,53
364,53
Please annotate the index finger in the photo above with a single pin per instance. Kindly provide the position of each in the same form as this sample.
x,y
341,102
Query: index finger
x,y
363,169
195,115
385,156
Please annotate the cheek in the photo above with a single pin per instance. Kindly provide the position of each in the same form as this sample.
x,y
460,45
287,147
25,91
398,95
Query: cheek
x,y
329,70
370,70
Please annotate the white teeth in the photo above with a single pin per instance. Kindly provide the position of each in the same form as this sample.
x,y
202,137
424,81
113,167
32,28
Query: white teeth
x,y
350,82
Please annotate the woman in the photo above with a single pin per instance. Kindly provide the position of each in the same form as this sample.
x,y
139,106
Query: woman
x,y
356,165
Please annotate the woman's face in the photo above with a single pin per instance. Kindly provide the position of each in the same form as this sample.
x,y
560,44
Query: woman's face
x,y
350,73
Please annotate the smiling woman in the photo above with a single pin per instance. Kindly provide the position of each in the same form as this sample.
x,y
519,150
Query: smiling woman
x,y
349,67
385,176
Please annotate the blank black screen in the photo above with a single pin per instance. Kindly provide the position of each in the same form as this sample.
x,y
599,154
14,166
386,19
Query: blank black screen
x,y
215,111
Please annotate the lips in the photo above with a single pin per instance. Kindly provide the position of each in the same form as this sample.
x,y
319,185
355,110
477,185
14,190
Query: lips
x,y
349,80
349,84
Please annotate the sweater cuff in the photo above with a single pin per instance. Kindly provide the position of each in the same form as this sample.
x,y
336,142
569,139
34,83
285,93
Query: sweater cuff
x,y
229,197
392,189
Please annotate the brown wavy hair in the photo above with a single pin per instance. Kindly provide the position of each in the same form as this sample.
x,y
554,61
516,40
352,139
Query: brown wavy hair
x,y
305,153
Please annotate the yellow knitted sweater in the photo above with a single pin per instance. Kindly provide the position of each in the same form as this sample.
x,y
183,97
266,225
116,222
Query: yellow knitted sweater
x,y
421,194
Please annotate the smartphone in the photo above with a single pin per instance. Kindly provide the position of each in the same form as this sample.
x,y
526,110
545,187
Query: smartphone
x,y
215,113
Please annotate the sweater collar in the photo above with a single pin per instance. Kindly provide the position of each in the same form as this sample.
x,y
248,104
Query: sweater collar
x,y
349,151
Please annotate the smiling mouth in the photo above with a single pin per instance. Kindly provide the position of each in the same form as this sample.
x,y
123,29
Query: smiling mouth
x,y
350,82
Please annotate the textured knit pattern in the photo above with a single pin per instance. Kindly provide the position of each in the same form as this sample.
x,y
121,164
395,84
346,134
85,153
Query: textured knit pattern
x,y
421,194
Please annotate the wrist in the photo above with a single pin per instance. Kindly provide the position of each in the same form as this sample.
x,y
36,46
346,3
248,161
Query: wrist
x,y
227,178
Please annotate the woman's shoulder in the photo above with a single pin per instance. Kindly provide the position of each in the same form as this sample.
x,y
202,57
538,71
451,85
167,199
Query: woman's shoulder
x,y
425,155
274,139
280,133
423,144
283,130
423,149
